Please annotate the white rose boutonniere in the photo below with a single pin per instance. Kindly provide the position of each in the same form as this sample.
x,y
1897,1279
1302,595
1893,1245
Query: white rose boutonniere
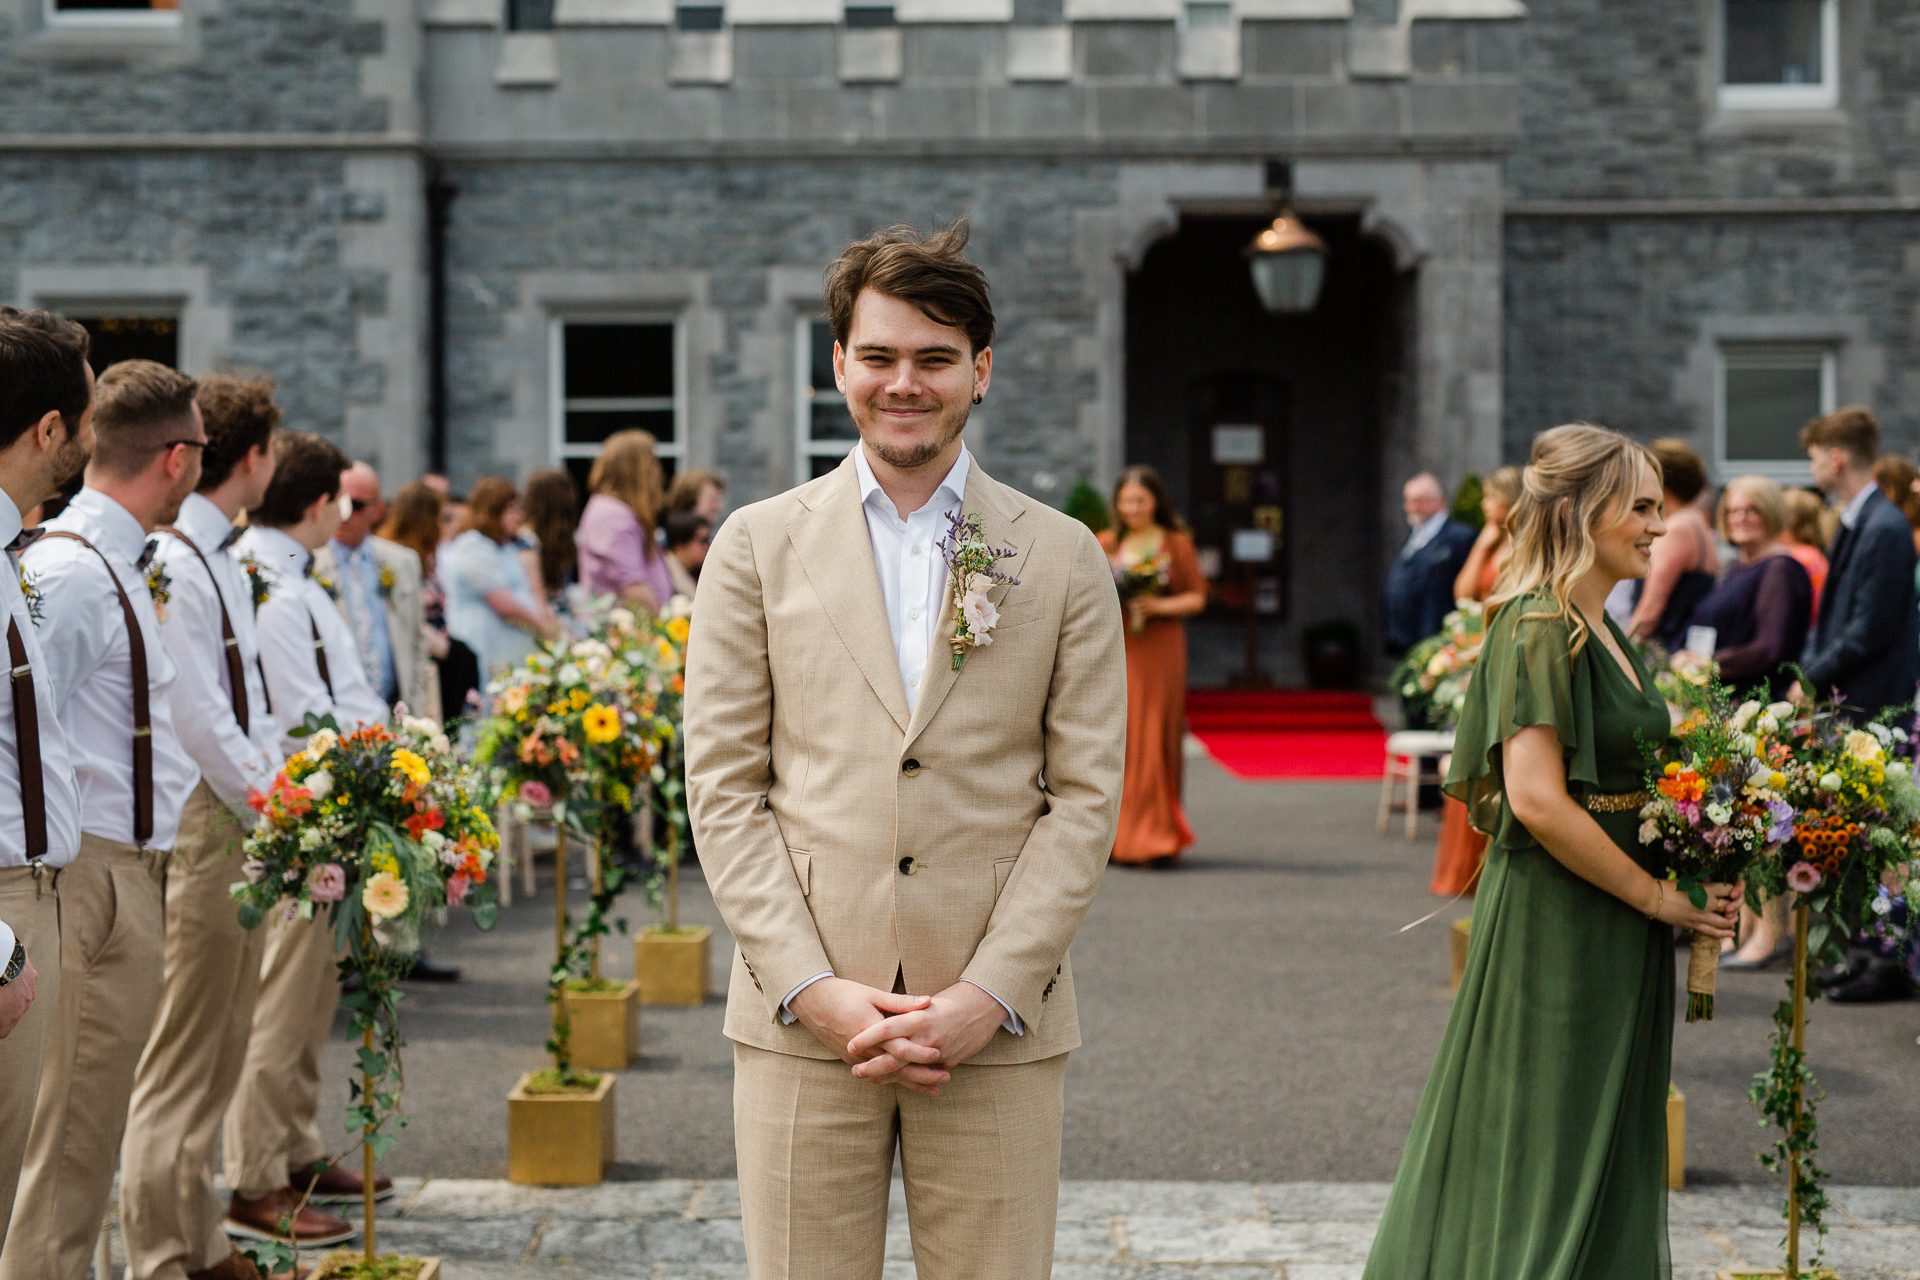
x,y
970,574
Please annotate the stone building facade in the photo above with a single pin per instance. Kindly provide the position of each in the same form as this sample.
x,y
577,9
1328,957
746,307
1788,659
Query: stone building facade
x,y
479,234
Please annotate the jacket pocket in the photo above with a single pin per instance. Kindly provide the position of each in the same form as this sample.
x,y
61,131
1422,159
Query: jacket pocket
x,y
802,870
1001,870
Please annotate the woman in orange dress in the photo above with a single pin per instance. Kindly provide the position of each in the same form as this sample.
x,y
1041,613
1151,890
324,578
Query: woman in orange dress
x,y
1456,863
1159,576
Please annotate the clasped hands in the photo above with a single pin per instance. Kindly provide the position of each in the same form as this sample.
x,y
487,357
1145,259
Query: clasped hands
x,y
911,1041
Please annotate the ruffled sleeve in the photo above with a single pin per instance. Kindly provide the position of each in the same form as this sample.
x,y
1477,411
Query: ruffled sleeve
x,y
1525,677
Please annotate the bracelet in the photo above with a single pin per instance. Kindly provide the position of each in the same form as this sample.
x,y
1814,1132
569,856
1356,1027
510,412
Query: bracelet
x,y
1660,898
16,964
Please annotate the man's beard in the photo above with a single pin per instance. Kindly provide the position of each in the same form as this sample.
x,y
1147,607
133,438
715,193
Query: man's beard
x,y
915,456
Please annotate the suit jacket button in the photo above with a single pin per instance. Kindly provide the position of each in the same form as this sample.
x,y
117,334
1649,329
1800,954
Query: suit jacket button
x,y
911,768
906,866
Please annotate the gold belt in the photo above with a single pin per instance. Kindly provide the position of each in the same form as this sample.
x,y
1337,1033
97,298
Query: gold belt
x,y
1619,803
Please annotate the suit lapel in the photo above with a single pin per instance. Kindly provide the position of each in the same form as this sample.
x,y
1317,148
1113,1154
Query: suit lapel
x,y
830,537
999,510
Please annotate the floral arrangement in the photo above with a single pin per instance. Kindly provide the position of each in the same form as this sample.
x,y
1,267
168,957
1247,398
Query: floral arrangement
x,y
386,582
259,585
1718,804
30,592
1433,677
1135,574
159,586
970,575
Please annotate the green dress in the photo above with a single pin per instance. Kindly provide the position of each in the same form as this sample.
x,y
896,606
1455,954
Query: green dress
x,y
1539,1150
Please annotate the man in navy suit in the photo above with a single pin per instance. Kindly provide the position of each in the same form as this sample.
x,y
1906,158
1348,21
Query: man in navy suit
x,y
1419,590
1865,650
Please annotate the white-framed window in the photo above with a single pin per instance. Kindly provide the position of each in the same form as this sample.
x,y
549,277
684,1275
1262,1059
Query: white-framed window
x,y
1766,393
121,13
823,430
616,373
1779,54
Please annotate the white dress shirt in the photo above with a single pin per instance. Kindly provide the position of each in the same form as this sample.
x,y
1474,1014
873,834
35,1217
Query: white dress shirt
x,y
233,762
1423,533
90,663
286,625
1850,514
913,590
56,766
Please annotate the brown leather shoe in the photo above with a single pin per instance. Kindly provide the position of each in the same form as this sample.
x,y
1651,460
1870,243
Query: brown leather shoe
x,y
339,1186
260,1220
235,1266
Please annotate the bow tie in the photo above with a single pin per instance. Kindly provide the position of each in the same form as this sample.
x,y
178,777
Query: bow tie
x,y
232,537
25,538
146,555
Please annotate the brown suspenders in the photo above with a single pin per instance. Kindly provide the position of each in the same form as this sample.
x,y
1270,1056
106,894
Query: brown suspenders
x,y
26,732
142,717
236,669
320,652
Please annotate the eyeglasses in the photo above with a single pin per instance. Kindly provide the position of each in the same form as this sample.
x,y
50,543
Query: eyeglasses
x,y
191,444
358,504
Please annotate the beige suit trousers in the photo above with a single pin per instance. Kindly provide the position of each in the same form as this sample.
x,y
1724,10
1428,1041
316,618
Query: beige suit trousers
x,y
271,1123
981,1164
111,950
169,1213
30,904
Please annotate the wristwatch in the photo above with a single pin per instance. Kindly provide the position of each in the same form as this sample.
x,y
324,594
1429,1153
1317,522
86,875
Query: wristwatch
x,y
15,965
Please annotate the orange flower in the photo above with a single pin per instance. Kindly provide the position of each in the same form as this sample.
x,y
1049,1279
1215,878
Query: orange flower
x,y
1685,785
420,823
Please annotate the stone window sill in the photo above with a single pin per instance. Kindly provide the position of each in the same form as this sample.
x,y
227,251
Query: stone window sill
x,y
111,30
1738,121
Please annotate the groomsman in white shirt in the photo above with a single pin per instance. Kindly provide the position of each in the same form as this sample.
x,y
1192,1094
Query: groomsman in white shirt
x,y
312,666
170,1216
112,680
46,433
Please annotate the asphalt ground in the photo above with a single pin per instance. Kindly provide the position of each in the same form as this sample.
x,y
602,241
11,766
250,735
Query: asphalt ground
x,y
1252,1016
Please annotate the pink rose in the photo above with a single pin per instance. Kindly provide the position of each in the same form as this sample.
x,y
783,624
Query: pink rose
x,y
457,889
980,614
537,794
1802,878
327,882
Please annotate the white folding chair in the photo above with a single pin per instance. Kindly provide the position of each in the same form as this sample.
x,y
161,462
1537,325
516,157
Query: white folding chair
x,y
1405,751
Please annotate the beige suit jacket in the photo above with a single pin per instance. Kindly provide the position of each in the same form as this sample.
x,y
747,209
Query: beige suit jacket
x,y
811,787
413,669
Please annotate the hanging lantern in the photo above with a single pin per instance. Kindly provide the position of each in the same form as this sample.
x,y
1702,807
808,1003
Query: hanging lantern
x,y
1287,262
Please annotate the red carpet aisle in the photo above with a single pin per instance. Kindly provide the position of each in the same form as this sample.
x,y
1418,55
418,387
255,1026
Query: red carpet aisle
x,y
1289,733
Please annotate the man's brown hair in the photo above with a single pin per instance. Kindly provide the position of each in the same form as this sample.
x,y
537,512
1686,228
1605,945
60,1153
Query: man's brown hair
x,y
240,414
43,368
1853,429
140,407
1682,474
932,272
305,468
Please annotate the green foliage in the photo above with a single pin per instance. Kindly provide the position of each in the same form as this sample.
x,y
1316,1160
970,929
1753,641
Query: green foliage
x,y
1775,1091
1466,502
1085,504
555,1080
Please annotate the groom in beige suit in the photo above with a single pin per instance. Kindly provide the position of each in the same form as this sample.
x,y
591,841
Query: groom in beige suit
x,y
903,849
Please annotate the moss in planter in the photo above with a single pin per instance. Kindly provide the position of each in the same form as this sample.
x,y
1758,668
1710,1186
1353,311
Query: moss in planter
x,y
551,1081
661,931
348,1265
596,986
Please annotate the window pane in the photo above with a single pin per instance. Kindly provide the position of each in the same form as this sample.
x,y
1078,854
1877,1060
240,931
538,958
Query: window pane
x,y
829,421
819,466
619,360
869,15
593,426
700,17
821,367
1769,398
117,338
64,6
529,15
1773,41
1202,14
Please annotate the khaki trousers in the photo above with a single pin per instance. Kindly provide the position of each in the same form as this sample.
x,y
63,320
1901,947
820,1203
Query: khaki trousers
x,y
169,1214
30,904
111,951
270,1125
981,1164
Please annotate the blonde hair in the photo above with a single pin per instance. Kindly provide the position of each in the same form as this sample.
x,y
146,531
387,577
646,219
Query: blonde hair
x,y
1577,474
1503,486
1809,520
628,470
1769,502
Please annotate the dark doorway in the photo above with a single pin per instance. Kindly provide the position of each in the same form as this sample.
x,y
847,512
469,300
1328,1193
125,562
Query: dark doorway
x,y
1268,423
117,338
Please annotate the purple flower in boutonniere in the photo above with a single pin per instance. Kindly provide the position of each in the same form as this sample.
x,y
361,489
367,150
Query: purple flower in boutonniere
x,y
970,574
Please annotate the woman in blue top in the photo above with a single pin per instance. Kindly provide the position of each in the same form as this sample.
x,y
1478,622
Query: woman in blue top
x,y
491,606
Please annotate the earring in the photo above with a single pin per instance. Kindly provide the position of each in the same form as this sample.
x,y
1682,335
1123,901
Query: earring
x,y
977,397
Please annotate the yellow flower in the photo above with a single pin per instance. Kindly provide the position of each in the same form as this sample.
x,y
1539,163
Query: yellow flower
x,y
601,723
514,699
384,896
578,698
410,766
679,629
388,863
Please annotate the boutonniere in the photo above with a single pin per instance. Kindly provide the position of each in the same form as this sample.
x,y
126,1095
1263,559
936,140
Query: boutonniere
x,y
386,582
160,587
326,585
259,585
36,603
970,573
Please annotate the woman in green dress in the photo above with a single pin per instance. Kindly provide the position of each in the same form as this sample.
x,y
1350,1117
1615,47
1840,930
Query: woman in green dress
x,y
1539,1149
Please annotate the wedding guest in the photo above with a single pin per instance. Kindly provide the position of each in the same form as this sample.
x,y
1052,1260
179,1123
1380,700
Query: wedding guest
x,y
700,491
1521,1159
1866,647
1498,493
491,607
112,679
414,521
311,662
1686,561
1763,606
376,584
1419,590
46,434
170,1214
1805,534
1150,539
1897,477
553,510
618,553
688,535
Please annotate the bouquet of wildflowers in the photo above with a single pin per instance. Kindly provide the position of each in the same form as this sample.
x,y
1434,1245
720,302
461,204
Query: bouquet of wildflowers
x,y
1436,672
1718,805
1135,574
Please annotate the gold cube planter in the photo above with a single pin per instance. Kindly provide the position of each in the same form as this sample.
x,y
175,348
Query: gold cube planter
x,y
605,1027
429,1267
1461,934
1676,1139
672,967
560,1139
1776,1274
